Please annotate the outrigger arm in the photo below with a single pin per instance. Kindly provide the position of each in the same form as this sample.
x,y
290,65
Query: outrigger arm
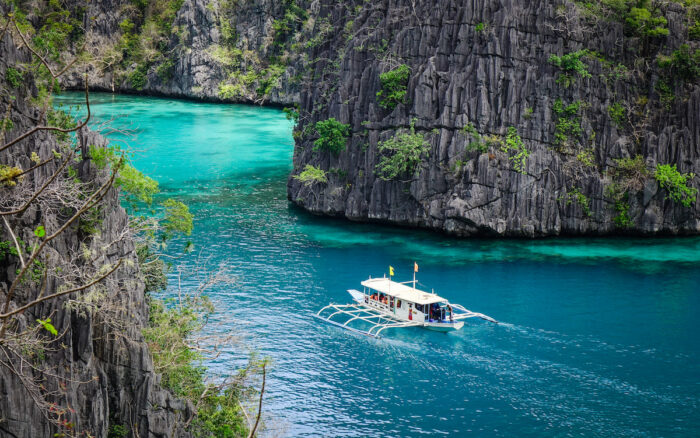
x,y
379,321
466,313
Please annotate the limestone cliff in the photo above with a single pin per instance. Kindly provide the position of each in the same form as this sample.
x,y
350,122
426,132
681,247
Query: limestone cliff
x,y
221,50
479,70
480,67
97,376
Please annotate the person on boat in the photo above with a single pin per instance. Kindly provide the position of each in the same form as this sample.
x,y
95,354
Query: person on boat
x,y
449,312
410,312
435,311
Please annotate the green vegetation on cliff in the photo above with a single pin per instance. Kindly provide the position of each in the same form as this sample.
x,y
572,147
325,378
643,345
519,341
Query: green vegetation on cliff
x,y
332,136
401,154
394,87
676,184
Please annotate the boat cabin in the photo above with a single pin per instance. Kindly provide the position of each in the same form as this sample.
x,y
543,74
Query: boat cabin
x,y
405,301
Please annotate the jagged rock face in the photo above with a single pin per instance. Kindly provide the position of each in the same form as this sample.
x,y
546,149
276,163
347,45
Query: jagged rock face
x,y
120,387
493,75
197,71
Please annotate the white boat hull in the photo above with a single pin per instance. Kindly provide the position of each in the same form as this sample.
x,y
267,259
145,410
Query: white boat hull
x,y
444,326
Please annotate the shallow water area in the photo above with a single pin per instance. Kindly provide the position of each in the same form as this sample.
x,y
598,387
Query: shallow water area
x,y
599,336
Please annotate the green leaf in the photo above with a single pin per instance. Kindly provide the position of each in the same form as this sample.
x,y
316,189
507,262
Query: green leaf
x,y
40,231
46,323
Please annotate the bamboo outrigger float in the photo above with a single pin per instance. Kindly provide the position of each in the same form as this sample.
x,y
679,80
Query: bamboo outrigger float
x,y
385,304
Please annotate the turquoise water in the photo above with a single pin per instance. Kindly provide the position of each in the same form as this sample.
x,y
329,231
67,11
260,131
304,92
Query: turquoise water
x,y
601,337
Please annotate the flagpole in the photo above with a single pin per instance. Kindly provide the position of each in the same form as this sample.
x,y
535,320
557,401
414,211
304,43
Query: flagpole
x,y
415,268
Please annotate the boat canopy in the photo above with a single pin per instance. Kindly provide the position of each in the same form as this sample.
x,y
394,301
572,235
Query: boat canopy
x,y
402,291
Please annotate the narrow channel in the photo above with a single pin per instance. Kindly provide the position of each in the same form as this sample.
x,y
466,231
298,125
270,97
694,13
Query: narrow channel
x,y
598,335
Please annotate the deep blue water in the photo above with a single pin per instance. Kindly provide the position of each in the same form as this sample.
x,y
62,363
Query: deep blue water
x,y
600,337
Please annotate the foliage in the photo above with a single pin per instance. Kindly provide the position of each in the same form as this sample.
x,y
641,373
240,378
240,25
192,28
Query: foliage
x,y
165,70
294,15
401,153
332,135
40,231
568,124
269,78
311,175
136,185
640,18
138,77
6,125
644,22
394,87
575,195
178,218
478,144
218,412
618,192
515,148
101,157
694,31
152,269
617,114
586,158
46,324
292,113
480,27
14,77
623,218
230,91
10,175
144,41
60,119
676,184
683,63
570,64
166,334
90,222
631,171
7,247
665,92
117,431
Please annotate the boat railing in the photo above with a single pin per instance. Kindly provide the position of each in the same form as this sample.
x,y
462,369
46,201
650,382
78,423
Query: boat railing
x,y
377,303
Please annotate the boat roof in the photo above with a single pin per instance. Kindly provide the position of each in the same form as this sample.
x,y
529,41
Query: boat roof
x,y
402,291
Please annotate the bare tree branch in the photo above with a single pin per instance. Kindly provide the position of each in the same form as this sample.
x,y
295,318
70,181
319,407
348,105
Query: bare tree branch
x,y
14,239
41,189
95,197
53,128
41,58
59,294
262,392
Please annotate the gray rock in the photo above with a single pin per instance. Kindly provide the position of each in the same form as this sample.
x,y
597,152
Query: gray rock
x,y
494,78
119,385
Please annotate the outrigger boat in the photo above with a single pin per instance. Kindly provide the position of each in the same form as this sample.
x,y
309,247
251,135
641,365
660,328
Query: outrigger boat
x,y
385,304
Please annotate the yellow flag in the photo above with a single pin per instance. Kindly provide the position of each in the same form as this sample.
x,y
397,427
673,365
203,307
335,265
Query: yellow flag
x,y
415,267
391,271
